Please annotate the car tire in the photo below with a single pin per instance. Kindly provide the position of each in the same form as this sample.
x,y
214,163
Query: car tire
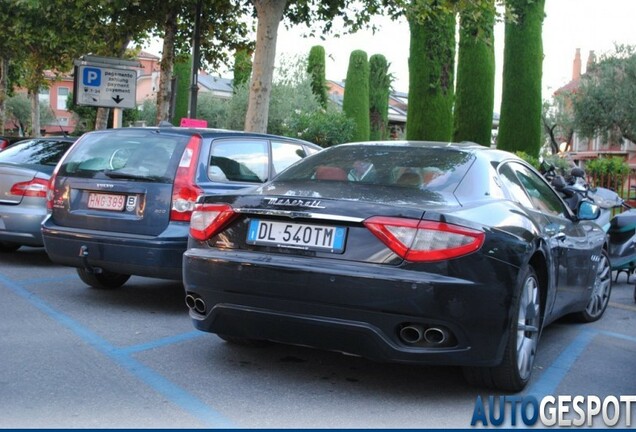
x,y
515,370
600,295
103,280
9,247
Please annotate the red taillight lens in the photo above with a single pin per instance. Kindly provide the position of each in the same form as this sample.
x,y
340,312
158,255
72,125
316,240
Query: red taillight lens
x,y
425,241
185,191
34,188
208,219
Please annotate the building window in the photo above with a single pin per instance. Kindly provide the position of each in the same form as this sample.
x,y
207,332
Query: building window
x,y
62,96
43,96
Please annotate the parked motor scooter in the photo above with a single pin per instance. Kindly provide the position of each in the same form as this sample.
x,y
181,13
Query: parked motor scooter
x,y
621,228
575,188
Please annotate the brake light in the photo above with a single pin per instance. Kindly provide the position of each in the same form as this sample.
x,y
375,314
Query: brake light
x,y
50,193
208,219
425,241
185,191
34,188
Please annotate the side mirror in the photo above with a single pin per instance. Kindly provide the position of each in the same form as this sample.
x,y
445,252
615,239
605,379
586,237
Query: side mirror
x,y
588,211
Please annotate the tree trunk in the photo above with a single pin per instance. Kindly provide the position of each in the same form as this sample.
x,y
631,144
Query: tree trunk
x,y
269,14
4,85
164,94
35,113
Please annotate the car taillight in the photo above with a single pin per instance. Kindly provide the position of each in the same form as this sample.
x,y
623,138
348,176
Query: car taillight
x,y
208,219
50,193
185,191
34,188
425,241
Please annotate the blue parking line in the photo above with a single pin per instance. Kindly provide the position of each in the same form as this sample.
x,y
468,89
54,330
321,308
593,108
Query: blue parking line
x,y
552,377
186,401
162,342
619,336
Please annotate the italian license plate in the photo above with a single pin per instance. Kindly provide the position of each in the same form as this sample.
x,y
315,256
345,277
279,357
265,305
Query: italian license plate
x,y
106,201
297,235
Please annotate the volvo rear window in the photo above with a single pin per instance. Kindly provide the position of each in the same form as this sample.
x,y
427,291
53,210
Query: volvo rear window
x,y
134,155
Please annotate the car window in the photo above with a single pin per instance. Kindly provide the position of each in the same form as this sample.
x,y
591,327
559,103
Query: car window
x,y
530,190
239,160
36,152
284,154
420,168
133,155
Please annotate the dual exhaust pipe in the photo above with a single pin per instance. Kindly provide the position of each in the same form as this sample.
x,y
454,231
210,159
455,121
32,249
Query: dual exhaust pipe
x,y
416,334
195,303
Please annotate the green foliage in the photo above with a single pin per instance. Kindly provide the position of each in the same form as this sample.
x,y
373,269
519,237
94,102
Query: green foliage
x,y
355,103
532,160
604,103
19,112
431,72
84,116
242,67
212,109
182,72
520,119
380,81
294,110
323,127
475,88
148,112
614,167
558,121
316,70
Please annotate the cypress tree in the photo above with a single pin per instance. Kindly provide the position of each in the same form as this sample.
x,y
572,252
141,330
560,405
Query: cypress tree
x,y
520,120
182,72
475,88
431,76
316,70
355,103
379,89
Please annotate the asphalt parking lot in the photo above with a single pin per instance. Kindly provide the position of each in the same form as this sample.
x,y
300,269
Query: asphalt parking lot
x,y
74,357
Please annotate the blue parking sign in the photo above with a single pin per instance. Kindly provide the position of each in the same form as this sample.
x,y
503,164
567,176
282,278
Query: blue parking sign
x,y
92,77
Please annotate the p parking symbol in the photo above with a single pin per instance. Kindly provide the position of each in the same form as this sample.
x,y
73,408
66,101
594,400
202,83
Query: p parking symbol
x,y
92,77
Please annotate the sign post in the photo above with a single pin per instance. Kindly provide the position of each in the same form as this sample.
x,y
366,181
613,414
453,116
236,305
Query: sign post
x,y
106,82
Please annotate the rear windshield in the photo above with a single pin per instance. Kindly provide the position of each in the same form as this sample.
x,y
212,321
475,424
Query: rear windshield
x,y
35,152
434,169
125,154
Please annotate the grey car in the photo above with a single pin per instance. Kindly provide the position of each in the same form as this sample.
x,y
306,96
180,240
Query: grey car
x,y
25,169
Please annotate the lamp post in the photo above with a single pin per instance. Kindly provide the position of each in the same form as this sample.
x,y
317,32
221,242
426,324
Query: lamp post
x,y
196,62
